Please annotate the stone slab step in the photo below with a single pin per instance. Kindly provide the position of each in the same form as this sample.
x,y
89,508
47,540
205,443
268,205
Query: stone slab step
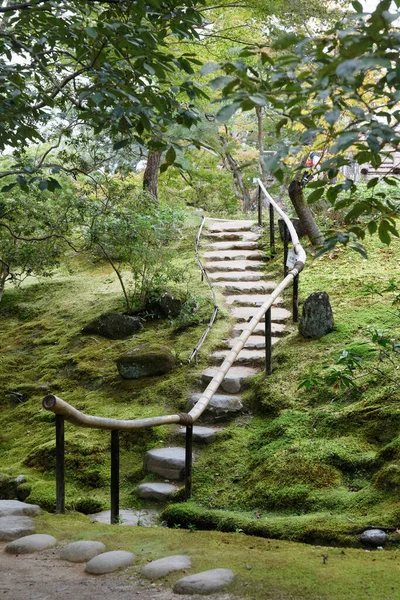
x,y
16,508
255,342
245,313
156,491
129,517
234,381
245,357
218,255
227,276
234,245
108,562
13,527
234,265
277,329
247,287
82,551
219,226
207,582
202,435
31,543
163,566
167,462
250,299
221,406
241,236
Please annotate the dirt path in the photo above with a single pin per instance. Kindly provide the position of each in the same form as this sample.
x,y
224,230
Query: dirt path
x,y
44,576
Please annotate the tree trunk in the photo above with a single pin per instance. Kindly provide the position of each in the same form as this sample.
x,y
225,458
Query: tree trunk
x,y
150,177
260,141
241,190
4,273
304,213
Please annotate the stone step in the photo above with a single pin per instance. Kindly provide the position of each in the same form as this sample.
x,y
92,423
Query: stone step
x,y
245,313
254,342
222,406
242,236
130,517
241,276
246,357
201,435
250,300
234,245
219,226
166,462
277,329
219,255
161,492
234,265
235,379
246,287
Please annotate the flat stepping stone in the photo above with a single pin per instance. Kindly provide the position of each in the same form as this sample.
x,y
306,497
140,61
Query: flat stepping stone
x,y
128,517
10,508
221,405
31,543
246,287
233,265
238,276
203,435
245,357
167,462
219,255
219,226
206,582
241,236
234,381
108,562
163,566
250,300
245,313
234,245
254,342
81,551
277,329
14,527
156,491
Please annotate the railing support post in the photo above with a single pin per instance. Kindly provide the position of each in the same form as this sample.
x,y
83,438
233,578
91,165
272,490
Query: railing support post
x,y
295,299
114,476
259,207
268,344
188,461
271,231
60,465
285,249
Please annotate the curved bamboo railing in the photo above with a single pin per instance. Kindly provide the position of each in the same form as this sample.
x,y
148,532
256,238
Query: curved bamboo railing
x,y
64,410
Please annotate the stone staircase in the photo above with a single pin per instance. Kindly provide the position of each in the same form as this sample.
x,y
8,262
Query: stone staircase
x,y
235,264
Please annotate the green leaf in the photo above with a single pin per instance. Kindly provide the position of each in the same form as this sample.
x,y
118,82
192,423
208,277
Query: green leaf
x,y
122,144
373,182
315,195
210,67
226,112
357,6
91,32
344,140
7,188
372,227
383,232
170,155
280,124
43,185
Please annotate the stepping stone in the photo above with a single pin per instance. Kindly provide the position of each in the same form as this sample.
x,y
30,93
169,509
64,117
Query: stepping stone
x,y
373,537
254,342
218,255
238,276
233,265
246,313
129,517
156,491
31,543
163,566
250,300
16,508
246,287
278,329
108,562
203,435
167,462
233,245
82,551
245,357
206,582
235,379
221,405
13,527
222,226
242,236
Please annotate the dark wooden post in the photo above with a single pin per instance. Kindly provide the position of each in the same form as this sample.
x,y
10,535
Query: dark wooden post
x,y
259,207
285,248
295,299
60,465
114,476
188,461
271,231
268,345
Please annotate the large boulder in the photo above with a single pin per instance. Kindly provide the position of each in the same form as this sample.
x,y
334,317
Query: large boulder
x,y
114,326
317,317
167,306
146,361
12,488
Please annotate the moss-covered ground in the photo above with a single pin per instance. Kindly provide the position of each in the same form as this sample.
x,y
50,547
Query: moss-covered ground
x,y
313,464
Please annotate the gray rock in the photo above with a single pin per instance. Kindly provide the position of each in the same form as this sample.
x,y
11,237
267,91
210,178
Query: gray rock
x,y
11,488
156,491
13,527
234,381
108,562
82,551
317,318
167,462
129,517
373,537
17,508
206,582
202,435
221,406
113,326
146,361
166,307
163,566
31,543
